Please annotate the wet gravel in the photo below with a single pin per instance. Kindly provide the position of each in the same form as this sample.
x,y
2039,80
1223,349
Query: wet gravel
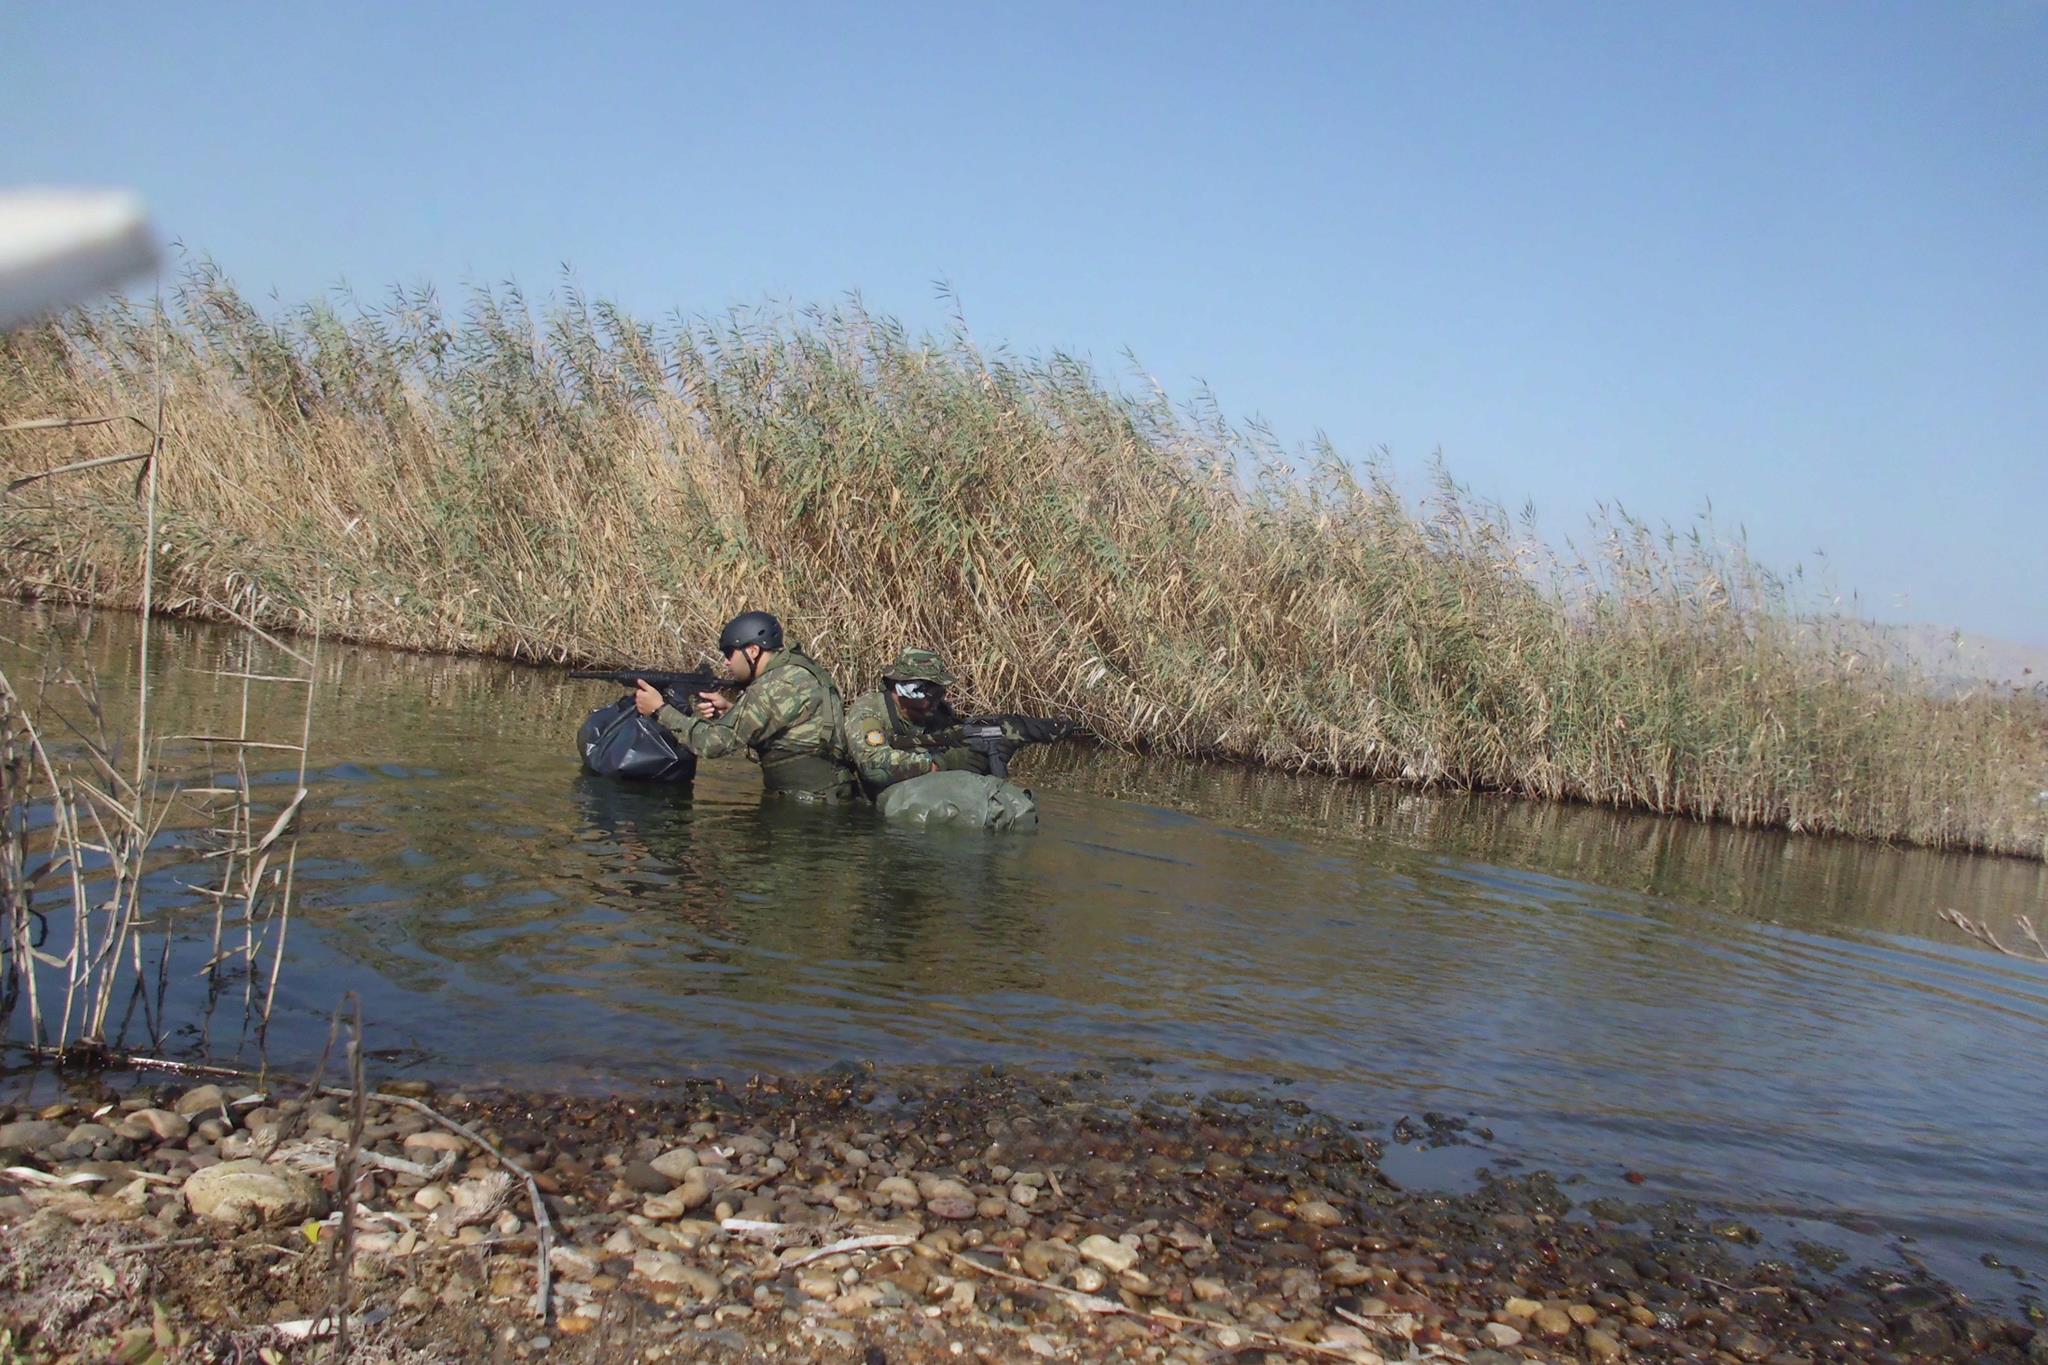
x,y
999,1216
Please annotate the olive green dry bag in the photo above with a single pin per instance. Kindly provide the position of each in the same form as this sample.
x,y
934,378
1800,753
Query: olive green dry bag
x,y
960,800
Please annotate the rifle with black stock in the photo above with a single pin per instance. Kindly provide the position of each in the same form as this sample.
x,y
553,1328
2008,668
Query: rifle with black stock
x,y
998,737
677,689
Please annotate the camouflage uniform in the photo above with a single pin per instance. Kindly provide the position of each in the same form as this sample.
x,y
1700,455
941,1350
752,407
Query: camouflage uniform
x,y
789,718
888,747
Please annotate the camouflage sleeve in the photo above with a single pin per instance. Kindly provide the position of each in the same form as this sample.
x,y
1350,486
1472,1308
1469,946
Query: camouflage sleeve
x,y
883,766
704,738
867,743
763,711
946,736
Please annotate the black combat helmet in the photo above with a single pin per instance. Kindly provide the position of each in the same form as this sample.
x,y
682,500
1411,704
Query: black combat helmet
x,y
750,628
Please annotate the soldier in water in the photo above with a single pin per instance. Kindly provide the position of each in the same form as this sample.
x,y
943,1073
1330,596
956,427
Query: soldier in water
x,y
788,714
908,728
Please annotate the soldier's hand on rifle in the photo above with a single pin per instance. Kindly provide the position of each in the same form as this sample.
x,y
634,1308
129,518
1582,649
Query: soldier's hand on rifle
x,y
712,705
646,698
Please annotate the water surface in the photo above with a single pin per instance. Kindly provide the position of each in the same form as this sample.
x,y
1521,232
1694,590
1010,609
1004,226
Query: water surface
x,y
1774,1025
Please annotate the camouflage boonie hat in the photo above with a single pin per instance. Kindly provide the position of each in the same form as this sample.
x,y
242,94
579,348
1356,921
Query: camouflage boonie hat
x,y
918,665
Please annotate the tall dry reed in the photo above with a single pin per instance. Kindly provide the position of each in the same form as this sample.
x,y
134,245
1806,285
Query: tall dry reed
x,y
80,829
574,484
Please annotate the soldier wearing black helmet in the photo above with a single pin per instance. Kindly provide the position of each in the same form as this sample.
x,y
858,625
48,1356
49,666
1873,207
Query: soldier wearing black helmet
x,y
788,714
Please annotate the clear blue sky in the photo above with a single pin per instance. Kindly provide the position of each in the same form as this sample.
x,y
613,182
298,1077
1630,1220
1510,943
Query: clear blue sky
x,y
1789,258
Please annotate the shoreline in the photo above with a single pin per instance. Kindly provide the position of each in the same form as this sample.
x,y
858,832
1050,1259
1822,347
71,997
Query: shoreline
x,y
195,612
1003,1216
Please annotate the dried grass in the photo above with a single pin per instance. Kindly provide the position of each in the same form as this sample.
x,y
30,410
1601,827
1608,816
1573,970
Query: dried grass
x,y
575,485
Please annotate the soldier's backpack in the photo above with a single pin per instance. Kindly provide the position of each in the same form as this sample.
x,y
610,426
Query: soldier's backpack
x,y
960,800
617,741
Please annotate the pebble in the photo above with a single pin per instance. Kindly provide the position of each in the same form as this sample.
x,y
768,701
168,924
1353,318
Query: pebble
x,y
203,1099
166,1124
1043,1260
1745,1345
985,1192
1350,1274
32,1133
1319,1213
239,1191
1114,1256
676,1163
1601,1345
641,1176
693,1193
433,1140
943,1187
665,1267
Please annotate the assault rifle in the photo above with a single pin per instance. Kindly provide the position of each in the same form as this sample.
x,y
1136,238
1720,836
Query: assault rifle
x,y
998,737
677,689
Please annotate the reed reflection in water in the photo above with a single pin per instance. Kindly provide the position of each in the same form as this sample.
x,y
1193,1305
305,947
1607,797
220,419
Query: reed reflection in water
x,y
1762,1021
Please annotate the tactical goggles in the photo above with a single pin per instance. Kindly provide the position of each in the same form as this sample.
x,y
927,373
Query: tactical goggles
x,y
916,690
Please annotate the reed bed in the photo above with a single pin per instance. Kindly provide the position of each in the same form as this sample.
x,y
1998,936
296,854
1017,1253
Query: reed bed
x,y
86,829
569,483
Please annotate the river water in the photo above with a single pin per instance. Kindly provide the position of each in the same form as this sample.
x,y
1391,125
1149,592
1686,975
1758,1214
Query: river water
x,y
1778,1027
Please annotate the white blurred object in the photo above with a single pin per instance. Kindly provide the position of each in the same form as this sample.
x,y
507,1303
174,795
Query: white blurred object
x,y
61,247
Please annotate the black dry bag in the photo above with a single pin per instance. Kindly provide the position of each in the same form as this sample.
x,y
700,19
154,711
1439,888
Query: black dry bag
x,y
617,741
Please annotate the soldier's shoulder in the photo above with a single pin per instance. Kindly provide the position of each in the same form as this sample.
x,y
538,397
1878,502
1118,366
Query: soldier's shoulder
x,y
866,725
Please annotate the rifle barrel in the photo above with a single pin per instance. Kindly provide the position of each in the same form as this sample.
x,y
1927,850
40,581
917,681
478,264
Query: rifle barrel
x,y
696,680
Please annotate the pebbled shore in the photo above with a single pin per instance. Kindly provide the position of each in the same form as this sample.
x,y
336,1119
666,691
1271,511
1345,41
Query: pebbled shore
x,y
1000,1217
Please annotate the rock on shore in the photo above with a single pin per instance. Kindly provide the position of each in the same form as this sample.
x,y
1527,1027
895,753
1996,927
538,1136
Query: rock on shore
x,y
842,1218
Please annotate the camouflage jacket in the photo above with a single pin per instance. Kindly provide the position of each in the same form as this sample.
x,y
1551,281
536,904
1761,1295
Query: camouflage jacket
x,y
887,747
788,718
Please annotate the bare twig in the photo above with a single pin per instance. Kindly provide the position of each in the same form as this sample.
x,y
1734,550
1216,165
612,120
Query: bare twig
x,y
874,1242
260,633
1095,1303
1981,931
74,468
156,450
59,423
345,1175
324,1154
544,1293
